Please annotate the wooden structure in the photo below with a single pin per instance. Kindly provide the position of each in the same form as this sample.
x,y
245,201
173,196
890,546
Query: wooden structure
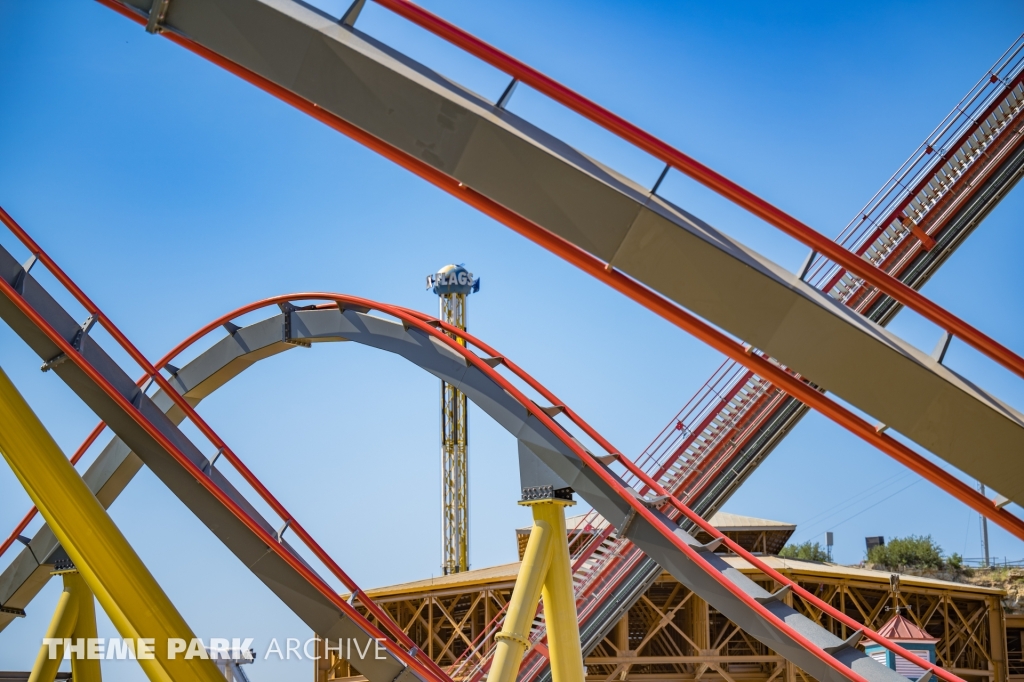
x,y
672,635
1015,647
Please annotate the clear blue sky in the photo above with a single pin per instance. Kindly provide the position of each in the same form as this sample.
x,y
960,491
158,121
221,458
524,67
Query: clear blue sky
x,y
173,192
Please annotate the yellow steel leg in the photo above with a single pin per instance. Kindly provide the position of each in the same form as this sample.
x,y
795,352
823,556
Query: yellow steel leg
x,y
546,571
63,624
75,619
124,587
82,669
512,641
559,600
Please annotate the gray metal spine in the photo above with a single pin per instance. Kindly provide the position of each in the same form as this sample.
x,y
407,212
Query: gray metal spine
x,y
539,177
268,337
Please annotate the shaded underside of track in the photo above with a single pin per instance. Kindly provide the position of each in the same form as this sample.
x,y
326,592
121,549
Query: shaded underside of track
x,y
419,114
596,628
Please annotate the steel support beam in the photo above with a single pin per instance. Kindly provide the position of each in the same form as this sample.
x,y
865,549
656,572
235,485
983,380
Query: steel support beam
x,y
123,585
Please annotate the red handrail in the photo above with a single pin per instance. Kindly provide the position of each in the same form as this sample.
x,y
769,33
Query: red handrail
x,y
951,151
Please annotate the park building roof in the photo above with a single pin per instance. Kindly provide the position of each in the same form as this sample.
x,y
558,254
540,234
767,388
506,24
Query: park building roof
x,y
505,575
900,629
756,535
762,536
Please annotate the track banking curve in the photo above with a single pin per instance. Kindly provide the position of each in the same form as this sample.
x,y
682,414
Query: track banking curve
x,y
436,330
604,269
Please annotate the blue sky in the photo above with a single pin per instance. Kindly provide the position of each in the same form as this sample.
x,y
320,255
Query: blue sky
x,y
173,192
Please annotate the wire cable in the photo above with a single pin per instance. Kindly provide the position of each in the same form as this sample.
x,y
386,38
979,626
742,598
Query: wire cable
x,y
875,504
852,501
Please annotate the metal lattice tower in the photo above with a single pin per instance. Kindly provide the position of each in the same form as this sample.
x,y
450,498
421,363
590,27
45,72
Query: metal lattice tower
x,y
452,284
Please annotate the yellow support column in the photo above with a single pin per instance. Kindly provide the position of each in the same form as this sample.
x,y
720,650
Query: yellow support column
x,y
511,642
559,599
82,669
109,566
74,619
545,572
61,626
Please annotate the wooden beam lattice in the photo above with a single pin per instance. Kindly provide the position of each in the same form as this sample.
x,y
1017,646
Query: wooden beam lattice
x,y
671,635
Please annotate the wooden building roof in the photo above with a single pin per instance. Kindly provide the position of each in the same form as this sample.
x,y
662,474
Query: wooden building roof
x,y
505,574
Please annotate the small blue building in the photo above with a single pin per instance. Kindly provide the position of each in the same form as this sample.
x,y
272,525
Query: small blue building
x,y
901,631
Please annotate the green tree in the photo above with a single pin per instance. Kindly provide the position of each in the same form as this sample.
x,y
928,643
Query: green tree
x,y
913,551
808,551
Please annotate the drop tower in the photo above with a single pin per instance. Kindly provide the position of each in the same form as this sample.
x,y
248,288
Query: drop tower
x,y
452,284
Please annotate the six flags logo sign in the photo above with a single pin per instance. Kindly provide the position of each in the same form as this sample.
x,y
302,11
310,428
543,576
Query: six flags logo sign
x,y
456,281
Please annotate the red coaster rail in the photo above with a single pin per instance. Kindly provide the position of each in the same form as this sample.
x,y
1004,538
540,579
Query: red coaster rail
x,y
707,177
735,405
